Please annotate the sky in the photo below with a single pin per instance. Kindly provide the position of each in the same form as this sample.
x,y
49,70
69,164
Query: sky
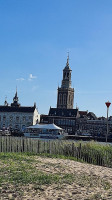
x,y
35,36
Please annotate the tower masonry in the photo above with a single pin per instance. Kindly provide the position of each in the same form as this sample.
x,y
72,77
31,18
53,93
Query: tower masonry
x,y
65,98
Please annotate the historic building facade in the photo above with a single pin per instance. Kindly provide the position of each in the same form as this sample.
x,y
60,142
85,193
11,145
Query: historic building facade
x,y
89,124
17,117
64,115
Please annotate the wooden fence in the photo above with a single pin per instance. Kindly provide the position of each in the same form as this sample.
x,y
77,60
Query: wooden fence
x,y
56,147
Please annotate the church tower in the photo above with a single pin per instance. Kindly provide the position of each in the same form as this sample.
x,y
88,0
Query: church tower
x,y
65,97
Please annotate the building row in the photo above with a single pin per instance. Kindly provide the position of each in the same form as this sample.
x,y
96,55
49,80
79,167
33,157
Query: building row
x,y
74,121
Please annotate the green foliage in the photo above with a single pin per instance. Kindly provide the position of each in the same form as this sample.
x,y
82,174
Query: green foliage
x,y
90,152
20,170
96,153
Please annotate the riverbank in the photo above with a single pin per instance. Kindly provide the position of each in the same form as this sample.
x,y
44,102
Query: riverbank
x,y
30,177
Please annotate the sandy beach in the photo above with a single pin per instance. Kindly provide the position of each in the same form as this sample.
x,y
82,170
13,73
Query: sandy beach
x,y
84,182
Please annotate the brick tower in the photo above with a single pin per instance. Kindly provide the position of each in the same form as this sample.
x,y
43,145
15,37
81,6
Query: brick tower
x,y
65,98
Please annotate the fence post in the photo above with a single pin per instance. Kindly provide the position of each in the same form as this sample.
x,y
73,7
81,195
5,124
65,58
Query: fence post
x,y
73,149
80,148
38,147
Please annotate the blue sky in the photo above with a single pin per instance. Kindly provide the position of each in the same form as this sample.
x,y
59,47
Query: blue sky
x,y
35,37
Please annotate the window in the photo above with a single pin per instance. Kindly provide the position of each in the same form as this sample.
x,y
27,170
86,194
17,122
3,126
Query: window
x,y
62,113
28,123
24,118
11,118
64,75
58,122
69,122
23,127
69,113
17,118
10,126
60,98
3,125
4,118
16,126
63,121
64,99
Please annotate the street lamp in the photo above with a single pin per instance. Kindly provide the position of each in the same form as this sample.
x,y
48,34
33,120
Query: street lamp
x,y
107,104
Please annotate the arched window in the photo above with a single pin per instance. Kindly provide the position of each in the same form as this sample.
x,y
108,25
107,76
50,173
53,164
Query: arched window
x,y
64,75
60,98
64,99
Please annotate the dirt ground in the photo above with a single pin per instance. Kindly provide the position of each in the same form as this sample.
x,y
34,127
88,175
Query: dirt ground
x,y
89,182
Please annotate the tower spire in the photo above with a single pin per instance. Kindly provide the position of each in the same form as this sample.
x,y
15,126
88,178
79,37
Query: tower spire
x,y
15,100
16,92
67,64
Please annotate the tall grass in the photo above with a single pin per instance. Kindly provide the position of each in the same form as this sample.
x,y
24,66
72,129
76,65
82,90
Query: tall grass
x,y
90,152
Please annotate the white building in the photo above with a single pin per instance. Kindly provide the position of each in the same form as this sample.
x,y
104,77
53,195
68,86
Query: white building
x,y
18,117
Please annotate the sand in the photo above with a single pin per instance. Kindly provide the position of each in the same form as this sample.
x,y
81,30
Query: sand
x,y
90,182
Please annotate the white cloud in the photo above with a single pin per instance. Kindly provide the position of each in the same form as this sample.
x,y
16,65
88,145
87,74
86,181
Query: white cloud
x,y
31,77
20,79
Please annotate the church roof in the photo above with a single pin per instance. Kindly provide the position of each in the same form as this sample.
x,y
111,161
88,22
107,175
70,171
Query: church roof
x,y
63,112
17,109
